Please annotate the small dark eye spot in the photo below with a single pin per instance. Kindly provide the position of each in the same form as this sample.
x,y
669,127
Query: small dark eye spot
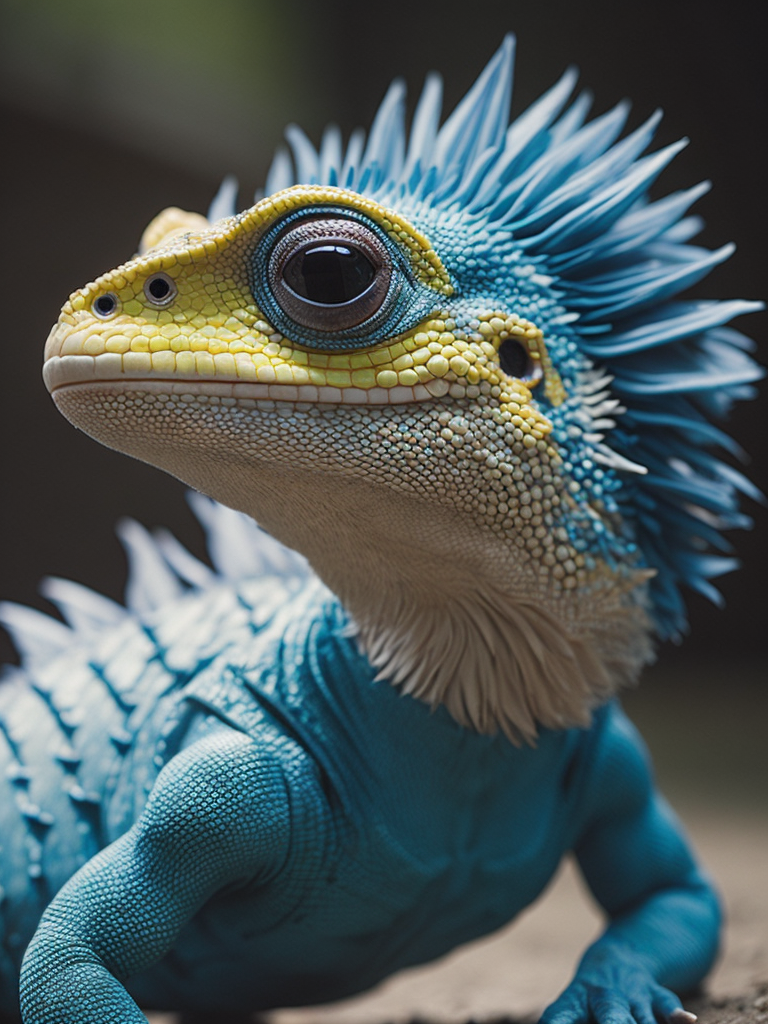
x,y
515,360
160,289
104,306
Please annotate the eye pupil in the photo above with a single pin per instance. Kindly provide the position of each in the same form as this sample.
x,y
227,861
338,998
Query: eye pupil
x,y
515,360
329,274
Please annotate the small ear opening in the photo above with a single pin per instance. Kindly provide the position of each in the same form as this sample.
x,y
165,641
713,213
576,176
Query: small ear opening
x,y
167,225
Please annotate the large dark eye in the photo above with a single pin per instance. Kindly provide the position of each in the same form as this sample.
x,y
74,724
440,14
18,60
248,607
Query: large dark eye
x,y
330,273
515,360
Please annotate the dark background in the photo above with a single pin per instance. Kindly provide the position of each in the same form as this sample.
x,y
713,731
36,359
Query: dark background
x,y
112,111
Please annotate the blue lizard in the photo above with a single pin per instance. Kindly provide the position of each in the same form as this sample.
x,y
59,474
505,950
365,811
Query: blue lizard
x,y
446,367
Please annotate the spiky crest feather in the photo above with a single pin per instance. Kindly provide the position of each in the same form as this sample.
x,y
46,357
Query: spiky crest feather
x,y
577,202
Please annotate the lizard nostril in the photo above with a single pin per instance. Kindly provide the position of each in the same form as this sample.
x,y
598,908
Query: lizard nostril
x,y
160,289
104,306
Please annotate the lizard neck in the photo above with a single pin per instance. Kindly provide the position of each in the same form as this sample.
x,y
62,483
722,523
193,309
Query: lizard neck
x,y
450,615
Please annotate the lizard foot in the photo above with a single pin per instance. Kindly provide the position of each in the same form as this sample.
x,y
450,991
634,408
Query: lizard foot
x,y
629,996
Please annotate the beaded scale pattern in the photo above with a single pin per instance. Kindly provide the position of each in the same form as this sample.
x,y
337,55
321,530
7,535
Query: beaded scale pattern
x,y
494,454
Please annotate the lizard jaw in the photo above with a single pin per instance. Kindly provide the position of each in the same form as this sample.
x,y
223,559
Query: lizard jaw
x,y
76,370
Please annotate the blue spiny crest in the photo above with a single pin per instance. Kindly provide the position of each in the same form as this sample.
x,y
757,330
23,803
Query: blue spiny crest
x,y
558,203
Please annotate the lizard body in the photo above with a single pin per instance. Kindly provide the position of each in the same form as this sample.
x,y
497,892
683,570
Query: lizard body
x,y
425,367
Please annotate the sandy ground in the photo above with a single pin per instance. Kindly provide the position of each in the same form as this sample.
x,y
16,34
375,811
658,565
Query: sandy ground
x,y
516,972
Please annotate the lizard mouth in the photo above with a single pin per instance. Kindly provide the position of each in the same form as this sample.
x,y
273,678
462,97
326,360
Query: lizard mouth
x,y
73,371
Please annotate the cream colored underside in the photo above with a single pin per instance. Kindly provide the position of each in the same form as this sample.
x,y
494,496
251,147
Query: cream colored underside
x,y
447,610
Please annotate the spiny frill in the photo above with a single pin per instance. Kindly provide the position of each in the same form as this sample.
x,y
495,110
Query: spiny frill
x,y
576,201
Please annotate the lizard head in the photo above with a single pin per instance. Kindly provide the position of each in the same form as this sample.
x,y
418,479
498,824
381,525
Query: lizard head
x,y
437,370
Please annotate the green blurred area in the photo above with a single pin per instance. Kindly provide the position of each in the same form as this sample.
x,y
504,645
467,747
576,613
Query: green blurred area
x,y
186,81
111,111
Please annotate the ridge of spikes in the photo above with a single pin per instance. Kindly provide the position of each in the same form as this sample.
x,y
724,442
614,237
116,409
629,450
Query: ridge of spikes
x,y
160,570
572,197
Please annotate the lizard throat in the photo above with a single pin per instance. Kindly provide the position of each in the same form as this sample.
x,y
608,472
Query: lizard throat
x,y
446,608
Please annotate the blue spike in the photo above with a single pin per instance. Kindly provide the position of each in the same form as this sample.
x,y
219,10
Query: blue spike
x,y
602,210
636,228
151,583
534,121
670,324
386,142
424,129
82,608
685,229
613,163
352,158
656,282
557,165
37,637
225,201
280,173
473,180
304,155
701,429
696,377
330,155
573,118
480,118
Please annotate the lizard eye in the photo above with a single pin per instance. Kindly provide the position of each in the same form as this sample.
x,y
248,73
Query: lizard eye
x,y
160,289
332,279
516,361
329,274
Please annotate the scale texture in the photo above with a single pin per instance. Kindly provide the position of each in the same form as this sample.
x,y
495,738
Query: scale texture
x,y
451,369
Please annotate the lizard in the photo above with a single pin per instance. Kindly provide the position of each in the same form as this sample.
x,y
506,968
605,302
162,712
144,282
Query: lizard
x,y
448,371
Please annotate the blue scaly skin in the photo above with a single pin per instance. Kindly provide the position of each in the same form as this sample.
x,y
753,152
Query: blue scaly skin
x,y
444,367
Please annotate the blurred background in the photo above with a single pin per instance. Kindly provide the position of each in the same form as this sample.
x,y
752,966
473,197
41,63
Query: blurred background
x,y
112,111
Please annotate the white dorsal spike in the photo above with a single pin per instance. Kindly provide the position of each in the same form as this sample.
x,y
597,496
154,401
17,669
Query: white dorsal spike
x,y
36,637
183,562
84,609
608,457
225,201
151,582
330,155
426,120
684,230
481,117
386,141
352,158
280,174
239,548
304,155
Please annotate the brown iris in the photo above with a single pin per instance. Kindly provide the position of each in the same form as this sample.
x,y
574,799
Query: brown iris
x,y
330,273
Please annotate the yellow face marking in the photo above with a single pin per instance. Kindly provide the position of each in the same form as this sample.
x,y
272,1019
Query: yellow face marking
x,y
213,331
